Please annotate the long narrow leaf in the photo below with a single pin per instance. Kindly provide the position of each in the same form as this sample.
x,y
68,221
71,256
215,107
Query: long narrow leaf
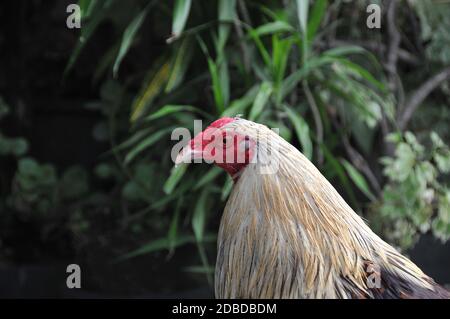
x,y
358,179
226,189
150,91
199,217
176,174
345,50
157,245
265,90
180,16
87,31
170,109
302,131
208,177
227,12
179,65
127,38
271,28
293,79
302,15
337,168
239,106
216,85
317,12
144,144
173,228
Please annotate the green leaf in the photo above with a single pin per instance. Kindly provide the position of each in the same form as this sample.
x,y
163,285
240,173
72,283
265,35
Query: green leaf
x,y
86,7
280,55
127,38
224,83
302,15
444,207
208,177
239,106
437,141
358,179
337,168
293,79
199,269
131,140
227,12
144,144
226,188
101,9
183,55
104,170
344,50
173,228
4,108
18,146
443,162
363,73
302,131
176,174
272,27
180,16
157,245
216,84
199,216
265,90
74,183
150,91
28,166
170,109
262,50
318,10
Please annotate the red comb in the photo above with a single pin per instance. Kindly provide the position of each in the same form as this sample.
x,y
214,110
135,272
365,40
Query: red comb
x,y
221,122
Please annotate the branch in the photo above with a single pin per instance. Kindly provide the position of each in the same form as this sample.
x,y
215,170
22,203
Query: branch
x,y
244,49
377,47
356,158
244,11
394,42
420,95
395,84
361,164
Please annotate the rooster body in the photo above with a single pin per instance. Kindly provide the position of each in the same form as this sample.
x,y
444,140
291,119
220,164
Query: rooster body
x,y
289,234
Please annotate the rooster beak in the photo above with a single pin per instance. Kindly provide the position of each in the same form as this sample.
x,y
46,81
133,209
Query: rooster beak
x,y
187,154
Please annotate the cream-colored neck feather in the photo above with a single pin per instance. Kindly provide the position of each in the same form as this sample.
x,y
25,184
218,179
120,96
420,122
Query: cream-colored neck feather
x,y
291,235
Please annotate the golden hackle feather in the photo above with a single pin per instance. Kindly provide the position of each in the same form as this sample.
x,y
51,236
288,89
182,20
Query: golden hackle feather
x,y
290,234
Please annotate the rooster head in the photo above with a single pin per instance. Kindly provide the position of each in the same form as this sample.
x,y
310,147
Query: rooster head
x,y
222,145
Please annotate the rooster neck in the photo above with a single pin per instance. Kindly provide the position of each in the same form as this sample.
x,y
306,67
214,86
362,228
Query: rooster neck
x,y
289,234
273,231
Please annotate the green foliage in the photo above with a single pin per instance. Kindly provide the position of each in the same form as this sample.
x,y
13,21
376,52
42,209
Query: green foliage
x,y
415,198
435,27
38,190
35,186
272,62
265,90
14,146
10,146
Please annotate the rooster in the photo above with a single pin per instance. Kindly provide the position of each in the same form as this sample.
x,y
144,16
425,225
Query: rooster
x,y
287,233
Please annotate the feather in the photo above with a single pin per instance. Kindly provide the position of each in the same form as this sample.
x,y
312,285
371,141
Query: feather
x,y
289,234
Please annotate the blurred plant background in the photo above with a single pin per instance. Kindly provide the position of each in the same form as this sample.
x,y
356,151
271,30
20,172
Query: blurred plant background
x,y
86,119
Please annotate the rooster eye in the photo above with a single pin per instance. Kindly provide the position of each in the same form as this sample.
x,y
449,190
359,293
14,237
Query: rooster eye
x,y
227,141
